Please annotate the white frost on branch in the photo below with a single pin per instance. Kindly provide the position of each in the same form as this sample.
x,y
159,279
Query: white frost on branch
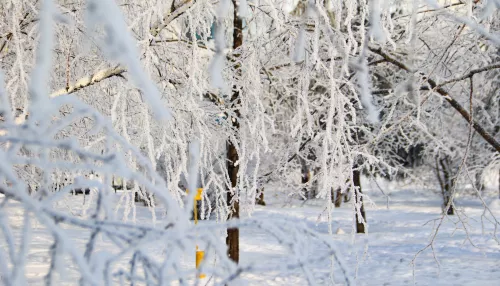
x,y
376,27
365,94
494,37
299,53
489,8
223,8
243,11
40,76
217,64
5,112
119,45
193,171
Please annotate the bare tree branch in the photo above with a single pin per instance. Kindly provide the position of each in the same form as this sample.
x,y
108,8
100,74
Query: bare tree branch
x,y
9,35
434,10
471,73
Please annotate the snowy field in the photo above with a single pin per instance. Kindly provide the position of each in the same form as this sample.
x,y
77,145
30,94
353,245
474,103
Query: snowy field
x,y
397,232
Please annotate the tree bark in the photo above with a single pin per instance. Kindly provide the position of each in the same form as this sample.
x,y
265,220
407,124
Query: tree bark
x,y
356,176
260,198
338,198
304,170
448,181
233,234
479,182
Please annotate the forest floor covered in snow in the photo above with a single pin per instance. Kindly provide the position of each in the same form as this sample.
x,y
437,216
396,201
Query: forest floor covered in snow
x,y
398,230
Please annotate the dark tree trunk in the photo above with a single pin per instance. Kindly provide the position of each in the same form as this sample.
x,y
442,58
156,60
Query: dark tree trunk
x,y
233,234
356,176
438,174
338,198
260,198
447,182
141,197
304,170
479,182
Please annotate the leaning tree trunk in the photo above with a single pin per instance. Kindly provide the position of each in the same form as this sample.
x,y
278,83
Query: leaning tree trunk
x,y
358,199
233,234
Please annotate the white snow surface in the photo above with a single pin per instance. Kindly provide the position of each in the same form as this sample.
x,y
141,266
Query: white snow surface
x,y
397,231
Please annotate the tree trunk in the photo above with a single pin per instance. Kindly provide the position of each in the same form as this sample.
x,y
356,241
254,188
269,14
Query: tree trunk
x,y
448,183
338,197
479,182
141,198
260,198
304,177
356,176
233,234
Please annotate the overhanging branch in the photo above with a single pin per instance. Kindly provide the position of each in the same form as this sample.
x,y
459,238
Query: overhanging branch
x,y
455,104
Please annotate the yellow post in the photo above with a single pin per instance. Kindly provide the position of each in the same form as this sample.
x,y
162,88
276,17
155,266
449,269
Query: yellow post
x,y
200,254
199,258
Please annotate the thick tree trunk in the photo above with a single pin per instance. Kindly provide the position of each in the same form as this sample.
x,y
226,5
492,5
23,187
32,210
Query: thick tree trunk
x,y
233,234
356,176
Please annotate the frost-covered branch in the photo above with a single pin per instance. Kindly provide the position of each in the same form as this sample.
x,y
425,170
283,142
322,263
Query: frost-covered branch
x,y
174,13
90,80
471,74
455,104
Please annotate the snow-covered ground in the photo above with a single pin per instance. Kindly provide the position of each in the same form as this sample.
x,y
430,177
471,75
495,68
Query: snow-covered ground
x,y
397,232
